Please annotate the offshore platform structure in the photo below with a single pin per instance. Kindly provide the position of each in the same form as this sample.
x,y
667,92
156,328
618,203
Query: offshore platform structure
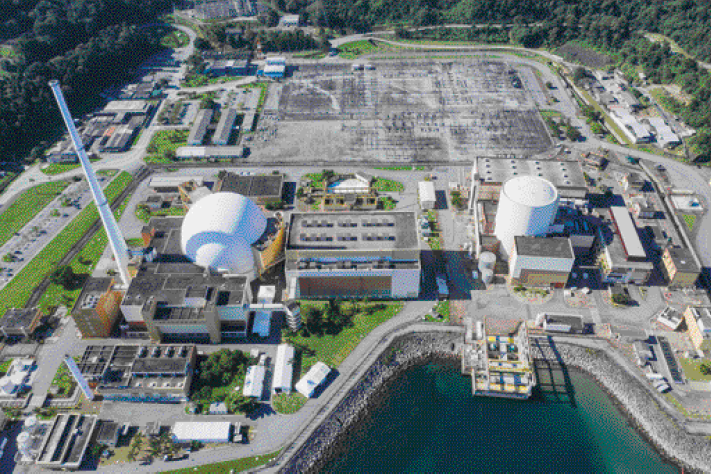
x,y
116,240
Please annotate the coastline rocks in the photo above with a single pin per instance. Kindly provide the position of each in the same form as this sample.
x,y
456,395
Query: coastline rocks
x,y
673,442
402,354
661,430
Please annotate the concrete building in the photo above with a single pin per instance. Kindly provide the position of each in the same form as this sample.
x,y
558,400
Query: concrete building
x,y
427,195
313,379
20,322
632,182
199,128
283,369
209,152
118,138
541,262
623,258
275,67
204,432
698,323
260,189
224,127
671,318
97,308
568,323
108,433
680,267
353,254
66,441
140,373
663,133
644,210
643,353
254,381
596,159
633,129
527,207
171,184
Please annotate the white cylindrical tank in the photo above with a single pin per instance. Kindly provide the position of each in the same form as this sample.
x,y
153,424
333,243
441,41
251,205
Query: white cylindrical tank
x,y
487,261
527,206
487,275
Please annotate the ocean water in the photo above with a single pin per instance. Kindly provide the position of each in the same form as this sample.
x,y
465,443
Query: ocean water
x,y
429,422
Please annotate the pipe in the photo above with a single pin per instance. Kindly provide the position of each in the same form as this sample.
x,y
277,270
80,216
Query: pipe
x,y
116,240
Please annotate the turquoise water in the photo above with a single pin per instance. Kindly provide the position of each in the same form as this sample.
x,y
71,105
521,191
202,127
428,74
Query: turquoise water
x,y
429,422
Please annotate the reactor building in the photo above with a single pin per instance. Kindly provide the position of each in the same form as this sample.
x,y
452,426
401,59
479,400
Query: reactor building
x,y
527,207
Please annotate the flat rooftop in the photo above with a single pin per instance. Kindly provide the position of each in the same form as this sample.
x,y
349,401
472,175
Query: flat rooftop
x,y
67,440
353,231
251,186
171,276
627,231
92,291
683,259
551,247
19,318
567,176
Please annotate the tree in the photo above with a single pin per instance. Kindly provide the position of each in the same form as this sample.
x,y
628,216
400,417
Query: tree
x,y
63,276
313,318
579,74
621,299
705,368
236,402
573,133
154,447
201,44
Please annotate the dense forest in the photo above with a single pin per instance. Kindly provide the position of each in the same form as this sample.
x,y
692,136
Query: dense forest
x,y
86,44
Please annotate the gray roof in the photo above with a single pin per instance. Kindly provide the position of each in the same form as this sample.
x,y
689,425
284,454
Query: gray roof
x,y
557,247
567,176
199,128
224,127
18,317
171,276
575,322
683,260
108,432
60,448
354,231
252,186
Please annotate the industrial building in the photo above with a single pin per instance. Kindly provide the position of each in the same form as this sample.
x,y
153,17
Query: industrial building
x,y
171,184
698,323
283,369
254,381
680,267
353,254
316,375
199,128
224,127
195,285
568,323
623,257
541,261
260,189
427,195
108,433
118,138
209,152
66,441
139,373
20,322
204,432
633,129
663,133
275,67
527,207
632,182
97,308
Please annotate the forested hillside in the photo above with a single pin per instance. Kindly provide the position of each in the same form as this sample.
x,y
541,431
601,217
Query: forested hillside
x,y
87,44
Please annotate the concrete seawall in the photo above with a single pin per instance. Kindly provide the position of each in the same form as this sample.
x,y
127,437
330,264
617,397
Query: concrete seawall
x,y
662,431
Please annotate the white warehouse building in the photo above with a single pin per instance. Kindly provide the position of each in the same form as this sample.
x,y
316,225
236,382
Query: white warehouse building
x,y
527,207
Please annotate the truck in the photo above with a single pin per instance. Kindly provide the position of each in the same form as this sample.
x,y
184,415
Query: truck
x,y
442,288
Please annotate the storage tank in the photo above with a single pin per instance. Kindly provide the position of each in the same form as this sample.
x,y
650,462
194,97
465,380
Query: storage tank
x,y
487,276
527,206
487,261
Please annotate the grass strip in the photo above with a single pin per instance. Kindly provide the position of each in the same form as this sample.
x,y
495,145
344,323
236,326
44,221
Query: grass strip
x,y
225,467
27,206
19,289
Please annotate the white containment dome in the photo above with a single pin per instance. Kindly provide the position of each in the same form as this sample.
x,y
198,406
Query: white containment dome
x,y
219,230
527,206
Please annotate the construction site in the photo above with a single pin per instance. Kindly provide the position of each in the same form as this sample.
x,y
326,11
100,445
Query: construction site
x,y
401,111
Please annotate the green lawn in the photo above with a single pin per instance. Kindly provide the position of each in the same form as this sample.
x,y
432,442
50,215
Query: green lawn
x,y
357,48
175,39
4,366
145,214
164,141
27,206
550,113
59,168
226,467
64,380
388,185
20,288
137,242
689,220
332,349
315,178
442,308
692,369
288,403
83,264
387,203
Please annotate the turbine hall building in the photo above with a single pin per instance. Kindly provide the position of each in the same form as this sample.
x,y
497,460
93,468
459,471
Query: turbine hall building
x,y
353,254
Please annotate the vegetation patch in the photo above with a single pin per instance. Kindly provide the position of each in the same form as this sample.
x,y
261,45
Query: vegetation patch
x,y
388,185
355,49
144,213
288,403
164,144
221,379
689,220
441,313
5,366
59,168
63,381
226,467
175,39
332,329
27,206
19,289
696,369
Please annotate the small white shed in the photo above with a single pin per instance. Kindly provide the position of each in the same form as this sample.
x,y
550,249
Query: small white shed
x,y
428,198
283,369
315,377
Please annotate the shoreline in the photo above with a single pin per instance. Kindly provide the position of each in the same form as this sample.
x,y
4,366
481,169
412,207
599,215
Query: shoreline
x,y
643,413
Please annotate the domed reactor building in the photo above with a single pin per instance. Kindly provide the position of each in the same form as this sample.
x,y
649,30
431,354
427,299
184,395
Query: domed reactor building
x,y
192,283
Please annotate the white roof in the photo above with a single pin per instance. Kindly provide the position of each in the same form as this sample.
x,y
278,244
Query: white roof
x,y
274,68
266,294
202,431
427,191
126,105
530,190
276,60
172,181
254,381
283,367
191,151
315,376
262,323
628,232
626,120
665,134
218,232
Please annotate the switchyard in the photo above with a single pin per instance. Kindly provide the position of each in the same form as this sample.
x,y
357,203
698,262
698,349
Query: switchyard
x,y
430,111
